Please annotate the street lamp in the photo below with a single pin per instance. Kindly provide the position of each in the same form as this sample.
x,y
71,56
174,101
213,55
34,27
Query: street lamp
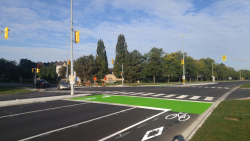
x,y
183,77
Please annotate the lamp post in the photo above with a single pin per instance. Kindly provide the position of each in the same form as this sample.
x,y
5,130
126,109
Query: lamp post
x,y
183,76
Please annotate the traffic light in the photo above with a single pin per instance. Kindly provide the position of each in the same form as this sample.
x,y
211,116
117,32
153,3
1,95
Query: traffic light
x,y
182,61
37,70
68,62
77,36
224,58
6,31
112,61
33,70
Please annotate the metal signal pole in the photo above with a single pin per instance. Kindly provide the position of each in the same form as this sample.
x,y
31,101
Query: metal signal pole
x,y
71,30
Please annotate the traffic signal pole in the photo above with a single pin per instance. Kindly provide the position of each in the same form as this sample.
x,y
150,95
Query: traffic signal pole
x,y
35,76
71,32
122,74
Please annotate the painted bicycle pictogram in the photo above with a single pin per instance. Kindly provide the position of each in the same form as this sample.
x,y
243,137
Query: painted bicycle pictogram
x,y
181,116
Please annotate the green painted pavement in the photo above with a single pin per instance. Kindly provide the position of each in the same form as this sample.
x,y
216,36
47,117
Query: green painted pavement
x,y
174,105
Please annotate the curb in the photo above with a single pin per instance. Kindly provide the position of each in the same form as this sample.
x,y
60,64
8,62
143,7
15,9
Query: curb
x,y
191,130
36,100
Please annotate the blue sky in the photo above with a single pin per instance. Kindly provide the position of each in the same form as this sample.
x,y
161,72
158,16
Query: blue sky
x,y
39,28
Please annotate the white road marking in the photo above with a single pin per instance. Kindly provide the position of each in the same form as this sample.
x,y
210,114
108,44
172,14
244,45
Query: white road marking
x,y
142,125
205,87
219,87
212,87
146,137
195,97
134,94
49,132
133,126
171,95
42,110
148,94
209,98
182,96
158,95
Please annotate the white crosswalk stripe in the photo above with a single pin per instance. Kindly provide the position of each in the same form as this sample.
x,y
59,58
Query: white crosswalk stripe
x,y
209,98
171,95
158,95
182,96
148,94
195,97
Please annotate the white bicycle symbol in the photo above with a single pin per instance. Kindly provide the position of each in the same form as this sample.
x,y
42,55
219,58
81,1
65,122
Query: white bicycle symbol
x,y
181,116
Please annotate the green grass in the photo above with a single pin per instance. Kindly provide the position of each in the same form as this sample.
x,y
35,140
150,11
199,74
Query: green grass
x,y
247,85
219,127
13,90
174,105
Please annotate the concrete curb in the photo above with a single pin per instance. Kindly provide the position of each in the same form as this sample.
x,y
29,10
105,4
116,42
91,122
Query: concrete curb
x,y
191,130
35,100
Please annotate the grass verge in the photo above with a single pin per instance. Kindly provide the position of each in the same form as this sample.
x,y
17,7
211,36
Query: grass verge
x,y
174,105
228,122
13,90
247,85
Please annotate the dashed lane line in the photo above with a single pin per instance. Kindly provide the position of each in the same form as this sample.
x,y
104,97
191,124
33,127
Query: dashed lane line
x,y
110,136
42,110
74,125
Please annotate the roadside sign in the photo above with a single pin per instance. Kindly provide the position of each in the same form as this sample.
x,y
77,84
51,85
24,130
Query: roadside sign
x,y
183,77
105,78
72,79
95,78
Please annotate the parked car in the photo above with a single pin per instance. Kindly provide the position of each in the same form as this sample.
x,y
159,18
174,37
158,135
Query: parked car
x,y
42,83
63,85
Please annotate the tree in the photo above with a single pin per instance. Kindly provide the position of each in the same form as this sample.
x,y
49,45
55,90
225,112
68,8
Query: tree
x,y
62,71
101,59
52,71
133,62
86,67
121,52
154,65
190,67
172,65
26,68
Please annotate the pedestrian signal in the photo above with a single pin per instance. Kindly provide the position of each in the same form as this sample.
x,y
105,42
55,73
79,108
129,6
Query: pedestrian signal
x,y
33,70
37,70
112,61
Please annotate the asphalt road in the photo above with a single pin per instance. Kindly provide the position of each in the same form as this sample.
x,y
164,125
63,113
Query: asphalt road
x,y
77,120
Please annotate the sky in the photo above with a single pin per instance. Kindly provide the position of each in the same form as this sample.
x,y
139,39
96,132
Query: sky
x,y
39,29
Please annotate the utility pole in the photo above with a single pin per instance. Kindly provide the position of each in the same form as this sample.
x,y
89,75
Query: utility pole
x,y
67,74
35,76
240,75
71,30
183,76
122,74
213,71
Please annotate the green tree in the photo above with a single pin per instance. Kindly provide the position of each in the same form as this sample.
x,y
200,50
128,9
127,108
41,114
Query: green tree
x,y
172,64
190,67
52,72
133,62
25,69
86,67
101,59
121,52
154,65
